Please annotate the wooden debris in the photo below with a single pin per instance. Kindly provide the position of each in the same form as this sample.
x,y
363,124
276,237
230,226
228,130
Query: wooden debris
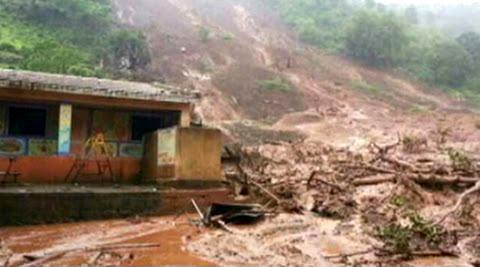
x,y
460,201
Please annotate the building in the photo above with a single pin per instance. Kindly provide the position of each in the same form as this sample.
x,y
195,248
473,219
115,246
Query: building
x,y
46,120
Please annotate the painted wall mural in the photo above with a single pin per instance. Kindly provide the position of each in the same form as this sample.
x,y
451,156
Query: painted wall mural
x,y
42,147
12,146
114,125
112,148
65,129
131,150
167,146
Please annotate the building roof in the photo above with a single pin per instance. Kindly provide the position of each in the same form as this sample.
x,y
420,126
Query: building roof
x,y
37,81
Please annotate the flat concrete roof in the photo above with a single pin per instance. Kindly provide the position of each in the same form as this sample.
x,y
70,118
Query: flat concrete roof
x,y
38,81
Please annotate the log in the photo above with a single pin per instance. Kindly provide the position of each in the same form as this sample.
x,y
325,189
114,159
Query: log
x,y
312,178
459,203
346,255
266,191
374,180
200,213
56,255
42,260
419,179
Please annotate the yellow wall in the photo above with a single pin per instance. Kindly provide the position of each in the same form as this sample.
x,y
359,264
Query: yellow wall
x,y
199,154
183,154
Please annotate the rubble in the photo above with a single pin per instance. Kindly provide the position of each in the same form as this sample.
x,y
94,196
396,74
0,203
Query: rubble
x,y
413,198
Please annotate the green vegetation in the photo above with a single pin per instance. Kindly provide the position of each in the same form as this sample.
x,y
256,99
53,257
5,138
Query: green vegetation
x,y
398,201
228,36
375,38
366,87
275,84
460,161
205,34
404,238
318,22
69,37
399,39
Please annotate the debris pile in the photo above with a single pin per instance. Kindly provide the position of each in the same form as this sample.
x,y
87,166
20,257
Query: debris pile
x,y
415,199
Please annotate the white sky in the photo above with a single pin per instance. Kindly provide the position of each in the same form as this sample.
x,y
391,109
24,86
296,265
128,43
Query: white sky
x,y
430,2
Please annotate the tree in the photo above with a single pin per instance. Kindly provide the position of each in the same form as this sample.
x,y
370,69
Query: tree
x,y
451,64
128,50
49,56
471,42
319,22
375,39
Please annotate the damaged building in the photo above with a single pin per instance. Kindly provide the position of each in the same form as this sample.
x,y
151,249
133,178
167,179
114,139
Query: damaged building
x,y
59,130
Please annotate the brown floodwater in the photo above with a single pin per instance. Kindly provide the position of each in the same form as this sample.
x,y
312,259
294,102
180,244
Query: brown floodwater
x,y
169,233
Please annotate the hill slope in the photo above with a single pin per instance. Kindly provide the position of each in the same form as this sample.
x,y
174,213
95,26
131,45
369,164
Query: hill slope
x,y
250,66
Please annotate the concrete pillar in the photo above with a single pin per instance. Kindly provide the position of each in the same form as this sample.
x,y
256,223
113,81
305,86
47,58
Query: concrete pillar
x,y
65,129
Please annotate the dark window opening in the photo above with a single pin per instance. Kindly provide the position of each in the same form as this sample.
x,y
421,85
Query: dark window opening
x,y
145,124
27,121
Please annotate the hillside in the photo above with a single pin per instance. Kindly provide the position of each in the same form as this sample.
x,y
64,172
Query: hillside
x,y
250,66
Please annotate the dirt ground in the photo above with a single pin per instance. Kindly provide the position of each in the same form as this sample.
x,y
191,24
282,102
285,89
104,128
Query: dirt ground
x,y
168,234
283,240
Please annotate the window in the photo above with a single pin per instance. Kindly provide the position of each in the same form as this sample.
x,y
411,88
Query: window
x,y
27,121
144,124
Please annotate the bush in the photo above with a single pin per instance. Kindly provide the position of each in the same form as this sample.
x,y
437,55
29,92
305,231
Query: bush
x,y
275,84
205,34
318,22
50,56
451,64
364,87
128,49
376,39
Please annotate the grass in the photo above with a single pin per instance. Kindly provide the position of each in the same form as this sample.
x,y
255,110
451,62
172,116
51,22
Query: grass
x,y
228,36
419,109
276,84
471,97
365,87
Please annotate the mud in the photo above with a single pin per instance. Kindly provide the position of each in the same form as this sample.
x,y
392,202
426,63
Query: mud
x,y
169,233
296,240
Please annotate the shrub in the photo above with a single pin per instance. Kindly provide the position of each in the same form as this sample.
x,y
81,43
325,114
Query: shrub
x,y
128,49
275,84
366,87
205,34
375,39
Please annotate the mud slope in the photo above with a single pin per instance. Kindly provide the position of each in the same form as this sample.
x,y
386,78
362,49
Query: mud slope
x,y
230,49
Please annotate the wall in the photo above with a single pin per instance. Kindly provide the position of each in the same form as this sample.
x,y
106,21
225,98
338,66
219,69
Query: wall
x,y
36,157
183,154
54,169
199,154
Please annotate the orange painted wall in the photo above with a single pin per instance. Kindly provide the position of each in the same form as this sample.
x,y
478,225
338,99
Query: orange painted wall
x,y
54,169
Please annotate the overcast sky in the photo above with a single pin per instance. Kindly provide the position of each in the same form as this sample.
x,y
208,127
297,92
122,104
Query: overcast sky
x,y
433,2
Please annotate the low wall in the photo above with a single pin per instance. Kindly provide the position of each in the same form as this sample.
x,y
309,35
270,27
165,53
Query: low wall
x,y
56,204
54,169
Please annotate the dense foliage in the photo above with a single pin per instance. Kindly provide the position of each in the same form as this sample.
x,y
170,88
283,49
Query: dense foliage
x,y
77,37
388,35
382,36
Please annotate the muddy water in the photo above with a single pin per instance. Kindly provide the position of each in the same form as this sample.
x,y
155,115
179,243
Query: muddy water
x,y
170,234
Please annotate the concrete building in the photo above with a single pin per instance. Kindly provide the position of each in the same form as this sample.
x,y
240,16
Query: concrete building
x,y
46,120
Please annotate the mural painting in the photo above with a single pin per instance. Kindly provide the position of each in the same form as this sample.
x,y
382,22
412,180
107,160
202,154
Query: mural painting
x,y
42,147
167,147
12,146
65,129
131,150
